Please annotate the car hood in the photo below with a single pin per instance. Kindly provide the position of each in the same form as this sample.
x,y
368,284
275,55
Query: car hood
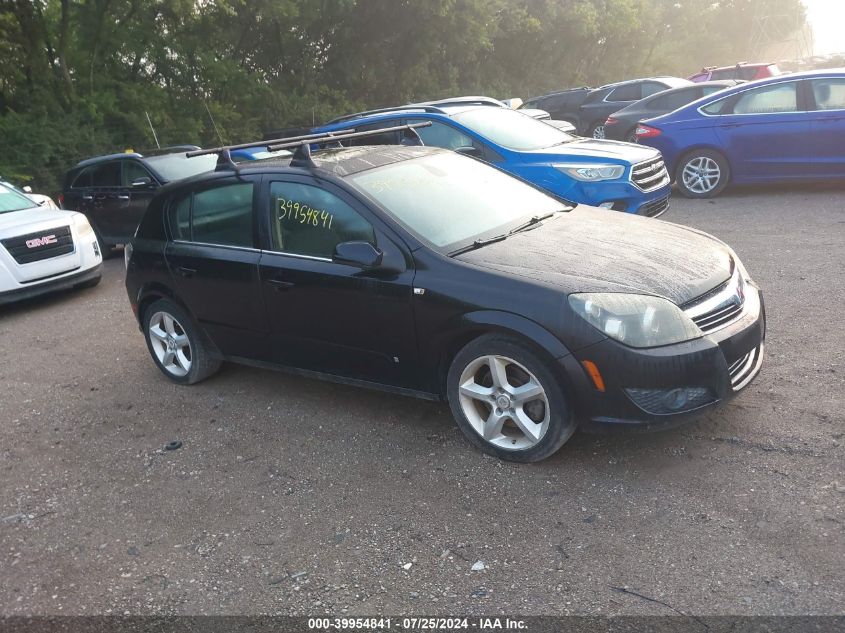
x,y
594,250
598,149
18,222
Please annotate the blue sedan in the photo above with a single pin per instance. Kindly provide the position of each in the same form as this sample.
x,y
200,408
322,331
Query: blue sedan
x,y
790,127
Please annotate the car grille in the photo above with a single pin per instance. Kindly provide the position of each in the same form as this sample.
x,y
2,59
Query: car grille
x,y
35,247
650,175
720,307
655,208
743,370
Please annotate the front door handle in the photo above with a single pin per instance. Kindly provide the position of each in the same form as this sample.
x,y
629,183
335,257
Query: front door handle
x,y
87,197
186,272
280,284
123,197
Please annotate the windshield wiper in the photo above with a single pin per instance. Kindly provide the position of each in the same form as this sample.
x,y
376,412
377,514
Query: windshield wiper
x,y
533,221
479,244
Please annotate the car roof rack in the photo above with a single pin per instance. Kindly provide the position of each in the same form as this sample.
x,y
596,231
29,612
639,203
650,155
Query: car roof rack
x,y
302,155
459,101
422,107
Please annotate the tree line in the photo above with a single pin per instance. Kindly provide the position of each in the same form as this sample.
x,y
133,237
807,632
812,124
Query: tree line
x,y
81,77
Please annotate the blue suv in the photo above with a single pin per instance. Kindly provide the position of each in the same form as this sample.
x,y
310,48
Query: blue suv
x,y
606,174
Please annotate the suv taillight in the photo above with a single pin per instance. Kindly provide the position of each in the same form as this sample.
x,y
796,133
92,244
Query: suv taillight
x,y
611,121
62,200
646,131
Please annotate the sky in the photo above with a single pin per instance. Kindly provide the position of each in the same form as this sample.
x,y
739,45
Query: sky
x,y
827,19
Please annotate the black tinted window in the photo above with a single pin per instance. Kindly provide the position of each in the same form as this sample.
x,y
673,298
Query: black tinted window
x,y
83,178
674,100
311,221
629,92
388,138
223,215
107,174
651,88
132,171
180,218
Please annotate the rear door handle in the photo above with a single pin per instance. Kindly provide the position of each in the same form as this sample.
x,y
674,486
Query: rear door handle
x,y
186,272
88,197
123,197
280,284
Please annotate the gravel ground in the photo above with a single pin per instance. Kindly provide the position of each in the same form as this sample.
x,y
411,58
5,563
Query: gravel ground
x,y
293,496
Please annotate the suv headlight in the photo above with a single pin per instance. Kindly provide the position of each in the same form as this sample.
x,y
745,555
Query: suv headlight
x,y
83,227
591,173
635,320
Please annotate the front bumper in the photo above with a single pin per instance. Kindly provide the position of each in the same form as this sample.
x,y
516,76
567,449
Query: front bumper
x,y
622,194
638,382
51,285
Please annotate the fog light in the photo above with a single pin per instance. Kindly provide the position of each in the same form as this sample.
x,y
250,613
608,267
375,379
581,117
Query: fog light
x,y
606,205
666,401
96,248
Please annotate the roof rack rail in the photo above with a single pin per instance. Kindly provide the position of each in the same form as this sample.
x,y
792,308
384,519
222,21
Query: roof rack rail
x,y
458,101
418,107
302,156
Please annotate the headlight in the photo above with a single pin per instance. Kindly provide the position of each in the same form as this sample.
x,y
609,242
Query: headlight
x,y
591,173
83,228
635,320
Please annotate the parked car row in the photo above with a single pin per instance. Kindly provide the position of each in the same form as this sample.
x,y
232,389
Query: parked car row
x,y
711,133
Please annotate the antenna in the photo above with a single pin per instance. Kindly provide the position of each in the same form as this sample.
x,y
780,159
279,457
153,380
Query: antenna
x,y
219,137
155,136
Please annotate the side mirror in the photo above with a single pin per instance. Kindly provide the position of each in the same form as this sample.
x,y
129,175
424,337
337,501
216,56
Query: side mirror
x,y
27,189
362,254
143,181
469,150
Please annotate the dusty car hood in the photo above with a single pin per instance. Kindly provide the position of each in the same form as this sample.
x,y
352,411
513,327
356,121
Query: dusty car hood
x,y
595,148
589,249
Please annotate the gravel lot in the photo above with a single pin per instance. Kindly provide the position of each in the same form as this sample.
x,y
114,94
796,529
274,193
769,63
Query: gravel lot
x,y
293,496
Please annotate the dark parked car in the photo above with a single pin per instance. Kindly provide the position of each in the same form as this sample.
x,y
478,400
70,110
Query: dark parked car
x,y
622,125
114,191
428,273
588,112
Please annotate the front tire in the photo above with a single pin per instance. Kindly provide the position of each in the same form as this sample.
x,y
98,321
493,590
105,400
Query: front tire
x,y
702,173
507,400
178,348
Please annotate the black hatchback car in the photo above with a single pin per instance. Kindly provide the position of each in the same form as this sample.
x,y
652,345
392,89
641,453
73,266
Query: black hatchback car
x,y
428,273
113,191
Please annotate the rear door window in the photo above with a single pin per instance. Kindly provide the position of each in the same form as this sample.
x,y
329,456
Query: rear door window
x,y
675,100
442,135
628,92
107,174
651,88
220,215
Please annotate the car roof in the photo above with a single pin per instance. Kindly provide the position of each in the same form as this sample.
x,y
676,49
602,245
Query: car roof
x,y
174,149
664,78
333,162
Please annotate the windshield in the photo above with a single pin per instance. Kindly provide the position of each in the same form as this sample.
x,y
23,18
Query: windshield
x,y
511,129
11,200
177,166
449,201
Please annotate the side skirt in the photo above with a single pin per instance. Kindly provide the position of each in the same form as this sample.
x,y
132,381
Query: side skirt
x,y
342,380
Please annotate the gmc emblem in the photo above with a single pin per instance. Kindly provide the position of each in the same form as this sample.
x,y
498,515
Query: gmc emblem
x,y
41,241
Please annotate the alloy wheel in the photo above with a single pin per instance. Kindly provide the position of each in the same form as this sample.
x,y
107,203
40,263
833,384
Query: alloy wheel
x,y
504,402
701,174
598,132
171,344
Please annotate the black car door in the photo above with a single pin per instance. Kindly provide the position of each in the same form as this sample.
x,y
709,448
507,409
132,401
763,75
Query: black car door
x,y
108,201
214,262
139,185
327,316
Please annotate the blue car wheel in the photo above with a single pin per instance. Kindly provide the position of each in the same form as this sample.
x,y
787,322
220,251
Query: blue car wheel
x,y
702,173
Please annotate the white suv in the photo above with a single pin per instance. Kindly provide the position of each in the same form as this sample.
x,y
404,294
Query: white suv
x,y
43,249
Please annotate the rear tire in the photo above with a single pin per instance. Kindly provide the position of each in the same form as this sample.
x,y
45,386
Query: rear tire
x,y
179,349
507,400
596,130
702,173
